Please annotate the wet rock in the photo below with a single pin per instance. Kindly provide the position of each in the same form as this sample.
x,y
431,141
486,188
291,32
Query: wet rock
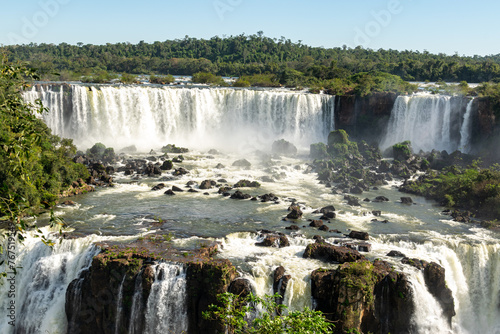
x,y
247,183
434,276
268,198
169,192
178,159
395,253
177,189
359,235
377,213
364,247
206,184
295,212
68,203
192,191
331,253
292,228
167,165
366,200
241,287
406,200
242,163
356,190
159,186
180,171
283,147
379,199
352,200
328,208
280,283
461,216
239,195
224,190
328,215
324,228
274,240
220,166
316,223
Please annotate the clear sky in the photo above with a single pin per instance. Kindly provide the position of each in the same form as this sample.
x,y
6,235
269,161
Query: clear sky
x,y
447,26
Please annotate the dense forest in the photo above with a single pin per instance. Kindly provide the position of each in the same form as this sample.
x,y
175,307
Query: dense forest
x,y
250,55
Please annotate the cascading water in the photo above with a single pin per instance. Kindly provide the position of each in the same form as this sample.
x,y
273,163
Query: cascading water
x,y
42,278
465,131
166,310
152,116
429,122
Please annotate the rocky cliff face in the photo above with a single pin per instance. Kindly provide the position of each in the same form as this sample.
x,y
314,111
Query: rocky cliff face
x,y
92,299
364,118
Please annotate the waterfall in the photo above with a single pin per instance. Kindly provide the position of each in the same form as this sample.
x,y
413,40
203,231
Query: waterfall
x,y
429,122
166,310
119,306
466,129
147,117
472,270
42,278
136,312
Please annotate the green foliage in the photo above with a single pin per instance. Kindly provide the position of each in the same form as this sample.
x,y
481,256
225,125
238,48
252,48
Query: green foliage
x,y
402,151
318,151
162,80
472,189
261,80
35,166
241,83
232,311
208,78
101,76
128,78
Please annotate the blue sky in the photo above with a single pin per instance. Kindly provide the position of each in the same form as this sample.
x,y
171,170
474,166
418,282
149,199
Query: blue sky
x,y
445,26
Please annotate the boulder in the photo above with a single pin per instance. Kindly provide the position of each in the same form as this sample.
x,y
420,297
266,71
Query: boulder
x,y
206,184
280,282
176,189
180,171
377,213
293,228
406,200
167,165
352,200
274,240
268,198
395,253
295,212
241,287
242,163
169,192
219,166
159,186
331,253
239,195
379,199
247,183
316,223
283,147
359,235
328,215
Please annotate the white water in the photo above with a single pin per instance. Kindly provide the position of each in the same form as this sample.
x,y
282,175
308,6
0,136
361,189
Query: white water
x,y
166,310
427,121
150,117
42,278
466,129
136,315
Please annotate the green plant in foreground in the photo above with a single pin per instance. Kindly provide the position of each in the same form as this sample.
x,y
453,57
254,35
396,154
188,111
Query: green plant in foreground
x,y
232,311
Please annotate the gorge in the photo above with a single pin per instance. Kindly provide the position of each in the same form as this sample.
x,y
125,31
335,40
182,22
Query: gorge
x,y
95,280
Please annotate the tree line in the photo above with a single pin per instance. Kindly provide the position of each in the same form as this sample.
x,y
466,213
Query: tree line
x,y
251,55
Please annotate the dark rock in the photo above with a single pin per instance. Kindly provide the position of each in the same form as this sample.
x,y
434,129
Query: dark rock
x,y
167,165
239,195
328,215
159,186
328,208
293,228
247,183
268,198
356,190
241,287
180,171
169,192
206,184
192,191
274,240
280,282
295,212
316,223
352,200
379,199
68,203
324,228
242,163
377,213
220,166
366,200
359,235
417,263
331,253
406,200
364,247
178,159
223,190
394,253
434,276
176,189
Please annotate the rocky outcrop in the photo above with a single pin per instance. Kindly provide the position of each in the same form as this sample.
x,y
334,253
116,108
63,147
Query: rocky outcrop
x,y
364,296
92,298
331,253
283,147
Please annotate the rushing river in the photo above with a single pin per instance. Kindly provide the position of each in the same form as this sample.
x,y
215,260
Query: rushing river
x,y
468,253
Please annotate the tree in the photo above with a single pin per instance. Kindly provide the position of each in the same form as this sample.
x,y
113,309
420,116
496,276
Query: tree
x,y
232,311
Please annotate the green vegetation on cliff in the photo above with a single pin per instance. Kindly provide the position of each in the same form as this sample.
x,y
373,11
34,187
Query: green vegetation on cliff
x,y
472,189
35,166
